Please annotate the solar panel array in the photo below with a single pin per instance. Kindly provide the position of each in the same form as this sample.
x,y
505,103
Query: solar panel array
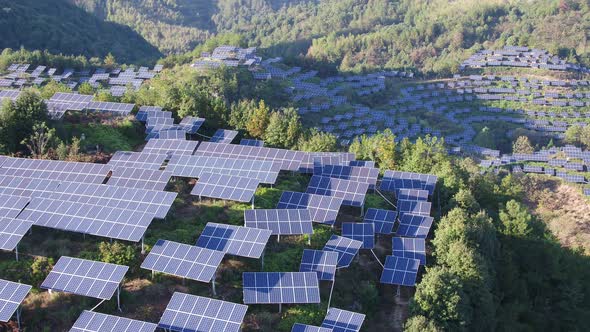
x,y
384,220
322,209
354,173
321,262
352,193
12,230
191,124
84,277
233,188
195,166
309,328
55,170
395,180
343,321
74,101
11,206
223,136
9,94
234,240
363,232
150,202
183,260
251,142
90,321
191,313
410,248
414,225
139,178
281,287
345,247
289,159
26,187
170,147
280,221
412,194
143,160
400,271
413,207
118,108
12,295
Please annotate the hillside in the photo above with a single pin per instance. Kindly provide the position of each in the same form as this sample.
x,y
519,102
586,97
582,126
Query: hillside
x,y
62,28
430,36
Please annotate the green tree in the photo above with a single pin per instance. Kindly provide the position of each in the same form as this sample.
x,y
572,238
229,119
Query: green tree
x,y
420,323
318,142
86,89
258,121
109,61
41,140
516,219
276,130
523,145
40,268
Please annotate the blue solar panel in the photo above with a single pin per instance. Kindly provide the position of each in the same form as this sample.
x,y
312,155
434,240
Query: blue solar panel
x,y
413,207
400,271
414,225
322,262
323,209
90,321
354,173
281,287
345,247
233,188
343,321
139,178
412,194
251,142
183,260
409,248
280,221
362,163
309,328
191,313
364,232
11,296
382,219
191,124
170,147
142,160
195,166
12,231
223,136
395,180
84,277
352,193
26,187
234,240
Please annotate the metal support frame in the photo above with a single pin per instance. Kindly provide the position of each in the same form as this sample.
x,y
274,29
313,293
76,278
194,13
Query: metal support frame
x,y
142,245
18,318
119,298
213,284
16,252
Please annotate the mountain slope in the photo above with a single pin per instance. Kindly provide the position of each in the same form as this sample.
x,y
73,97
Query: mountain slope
x,y
60,27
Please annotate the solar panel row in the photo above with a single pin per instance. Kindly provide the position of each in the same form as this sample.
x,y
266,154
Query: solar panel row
x,y
289,159
234,240
234,188
280,221
280,287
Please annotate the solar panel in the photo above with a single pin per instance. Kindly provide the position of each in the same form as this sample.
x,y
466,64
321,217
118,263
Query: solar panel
x,y
308,328
382,219
362,163
139,178
12,231
410,248
364,232
158,123
280,221
154,111
251,142
413,207
55,170
223,136
191,313
352,193
413,194
11,206
400,271
322,209
339,320
151,202
119,108
196,166
84,277
414,225
281,287
183,260
324,158
395,180
143,160
86,218
75,101
170,147
321,262
173,133
353,173
191,124
90,321
345,247
12,294
234,240
233,188
10,94
289,160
